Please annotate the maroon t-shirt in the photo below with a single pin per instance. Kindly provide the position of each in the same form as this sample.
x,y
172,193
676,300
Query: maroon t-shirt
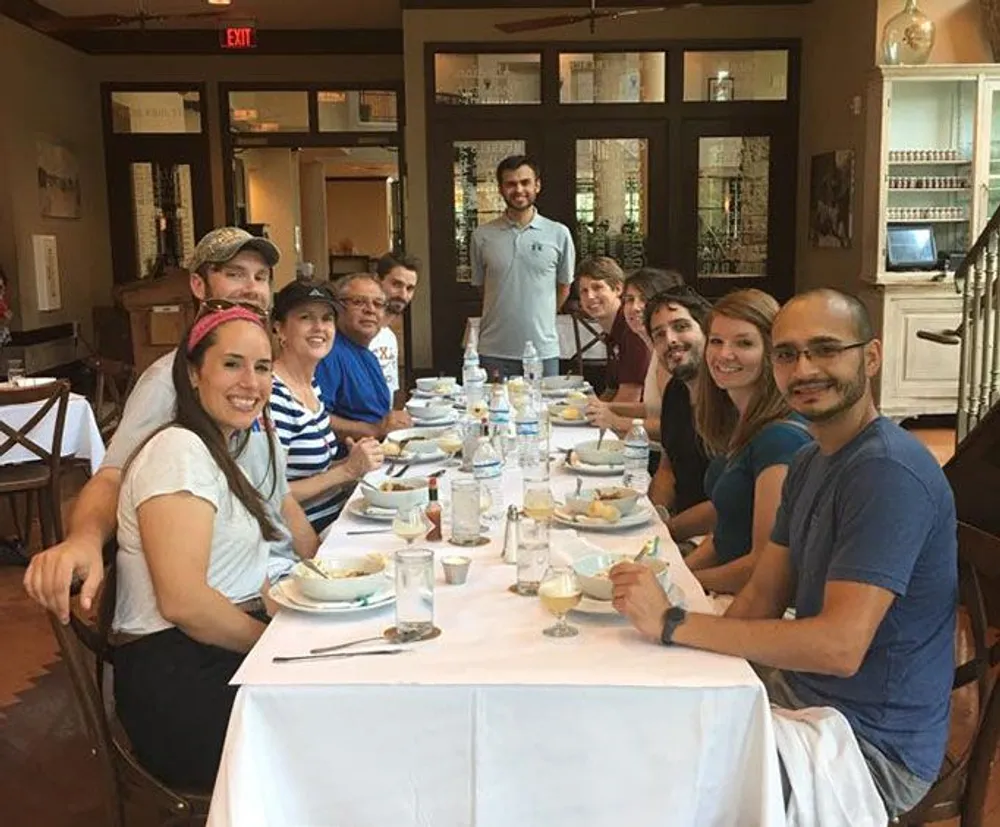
x,y
628,356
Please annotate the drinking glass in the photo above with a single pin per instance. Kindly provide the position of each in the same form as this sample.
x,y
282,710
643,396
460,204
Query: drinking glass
x,y
532,555
414,592
451,444
409,524
560,591
539,504
15,371
465,512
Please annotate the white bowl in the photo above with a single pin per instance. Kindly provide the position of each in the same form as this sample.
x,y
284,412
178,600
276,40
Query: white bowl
x,y
437,384
415,494
624,499
562,383
428,410
612,452
592,570
422,446
366,584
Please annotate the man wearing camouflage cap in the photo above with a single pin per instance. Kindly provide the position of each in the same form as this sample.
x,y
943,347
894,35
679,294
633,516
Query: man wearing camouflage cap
x,y
228,264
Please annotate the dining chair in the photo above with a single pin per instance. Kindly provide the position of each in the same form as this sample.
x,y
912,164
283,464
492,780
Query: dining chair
x,y
113,382
38,479
86,649
961,787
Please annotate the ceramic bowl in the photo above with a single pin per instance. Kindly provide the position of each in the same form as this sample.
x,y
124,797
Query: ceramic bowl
x,y
624,499
592,572
612,452
428,410
369,577
415,493
437,384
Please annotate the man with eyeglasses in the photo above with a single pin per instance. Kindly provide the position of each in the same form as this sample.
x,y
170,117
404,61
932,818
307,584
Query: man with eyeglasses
x,y
228,266
352,385
864,548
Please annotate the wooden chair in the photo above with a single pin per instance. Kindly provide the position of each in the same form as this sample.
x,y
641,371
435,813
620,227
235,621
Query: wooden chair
x,y
113,381
36,479
960,790
86,649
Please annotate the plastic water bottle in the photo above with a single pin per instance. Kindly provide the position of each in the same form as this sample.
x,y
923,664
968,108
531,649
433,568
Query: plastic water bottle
x,y
528,434
488,471
636,474
470,362
531,365
499,419
475,389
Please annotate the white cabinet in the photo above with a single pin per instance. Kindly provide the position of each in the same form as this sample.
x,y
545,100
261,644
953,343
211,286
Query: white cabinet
x,y
918,376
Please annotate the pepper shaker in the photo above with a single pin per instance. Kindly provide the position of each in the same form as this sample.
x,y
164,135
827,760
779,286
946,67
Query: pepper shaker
x,y
510,533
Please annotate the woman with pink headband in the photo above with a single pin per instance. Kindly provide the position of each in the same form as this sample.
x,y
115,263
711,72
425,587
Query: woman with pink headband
x,y
192,552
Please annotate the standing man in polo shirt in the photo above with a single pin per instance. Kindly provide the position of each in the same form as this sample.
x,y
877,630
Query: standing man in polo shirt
x,y
350,379
397,273
523,263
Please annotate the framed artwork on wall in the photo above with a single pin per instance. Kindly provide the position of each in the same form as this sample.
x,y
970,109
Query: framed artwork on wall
x,y
831,199
58,181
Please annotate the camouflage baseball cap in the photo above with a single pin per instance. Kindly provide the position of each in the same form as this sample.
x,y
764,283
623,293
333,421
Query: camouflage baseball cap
x,y
223,243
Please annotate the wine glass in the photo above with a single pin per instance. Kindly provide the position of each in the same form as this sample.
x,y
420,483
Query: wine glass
x,y
451,444
539,504
409,524
560,591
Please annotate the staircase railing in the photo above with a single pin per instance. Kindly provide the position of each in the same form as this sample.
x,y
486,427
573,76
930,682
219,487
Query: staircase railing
x,y
978,333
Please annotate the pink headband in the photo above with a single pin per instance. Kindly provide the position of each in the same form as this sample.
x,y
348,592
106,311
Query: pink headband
x,y
211,320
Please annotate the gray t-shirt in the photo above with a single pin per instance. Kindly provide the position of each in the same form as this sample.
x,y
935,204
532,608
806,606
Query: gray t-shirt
x,y
153,403
519,268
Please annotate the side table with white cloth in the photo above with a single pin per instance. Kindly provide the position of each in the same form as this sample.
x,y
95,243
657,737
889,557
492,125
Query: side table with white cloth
x,y
596,351
493,724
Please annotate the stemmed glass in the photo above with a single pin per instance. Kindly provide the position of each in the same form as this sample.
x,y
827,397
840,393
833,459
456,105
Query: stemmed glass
x,y
560,591
409,524
539,504
451,444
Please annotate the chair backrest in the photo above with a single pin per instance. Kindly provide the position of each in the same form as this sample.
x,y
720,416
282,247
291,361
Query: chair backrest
x,y
113,382
51,395
595,336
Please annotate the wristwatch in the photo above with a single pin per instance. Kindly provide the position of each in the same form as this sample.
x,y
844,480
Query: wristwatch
x,y
672,618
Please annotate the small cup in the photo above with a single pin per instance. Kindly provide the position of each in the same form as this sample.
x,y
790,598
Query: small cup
x,y
456,569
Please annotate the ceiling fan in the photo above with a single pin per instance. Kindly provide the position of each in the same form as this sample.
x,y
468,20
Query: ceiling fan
x,y
57,22
592,15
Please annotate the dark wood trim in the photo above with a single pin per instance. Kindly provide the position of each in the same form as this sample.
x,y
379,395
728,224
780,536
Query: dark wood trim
x,y
580,5
340,179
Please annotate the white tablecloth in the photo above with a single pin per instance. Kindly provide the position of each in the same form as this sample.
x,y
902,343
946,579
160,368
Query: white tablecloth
x,y
493,724
567,339
81,436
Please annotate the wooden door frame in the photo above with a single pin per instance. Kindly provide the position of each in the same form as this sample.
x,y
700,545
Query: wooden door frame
x,y
126,148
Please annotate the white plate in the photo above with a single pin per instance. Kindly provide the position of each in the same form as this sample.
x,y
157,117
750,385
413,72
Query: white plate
x,y
360,508
570,423
419,394
286,593
592,606
642,515
451,419
574,465
413,433
414,458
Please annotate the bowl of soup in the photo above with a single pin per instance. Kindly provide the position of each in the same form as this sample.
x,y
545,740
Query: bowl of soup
x,y
593,572
428,410
398,494
348,577
611,452
437,384
623,499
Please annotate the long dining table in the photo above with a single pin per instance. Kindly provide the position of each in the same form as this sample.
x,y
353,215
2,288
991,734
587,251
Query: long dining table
x,y
492,724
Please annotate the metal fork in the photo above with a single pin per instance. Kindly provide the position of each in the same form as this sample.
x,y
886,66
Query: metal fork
x,y
323,649
400,472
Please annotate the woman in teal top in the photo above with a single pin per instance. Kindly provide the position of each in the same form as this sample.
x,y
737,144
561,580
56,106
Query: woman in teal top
x,y
744,421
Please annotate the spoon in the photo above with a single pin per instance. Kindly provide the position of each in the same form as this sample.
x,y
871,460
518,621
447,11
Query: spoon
x,y
311,565
600,438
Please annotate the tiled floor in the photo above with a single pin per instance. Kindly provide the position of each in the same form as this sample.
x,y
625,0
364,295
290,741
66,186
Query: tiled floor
x,y
46,774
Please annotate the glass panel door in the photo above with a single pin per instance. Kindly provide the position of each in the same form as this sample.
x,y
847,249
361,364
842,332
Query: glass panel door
x,y
991,151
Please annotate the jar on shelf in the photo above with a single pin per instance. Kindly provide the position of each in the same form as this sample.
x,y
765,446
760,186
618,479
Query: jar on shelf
x,y
908,37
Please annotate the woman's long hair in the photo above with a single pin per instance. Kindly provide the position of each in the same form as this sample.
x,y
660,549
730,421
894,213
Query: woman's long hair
x,y
716,418
191,415
649,281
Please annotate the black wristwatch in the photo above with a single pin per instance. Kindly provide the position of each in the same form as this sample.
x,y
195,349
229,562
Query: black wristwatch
x,y
672,618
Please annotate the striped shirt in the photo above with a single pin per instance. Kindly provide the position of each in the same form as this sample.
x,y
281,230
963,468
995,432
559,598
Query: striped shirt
x,y
311,447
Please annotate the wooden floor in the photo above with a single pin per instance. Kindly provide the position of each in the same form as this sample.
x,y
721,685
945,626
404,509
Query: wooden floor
x,y
46,775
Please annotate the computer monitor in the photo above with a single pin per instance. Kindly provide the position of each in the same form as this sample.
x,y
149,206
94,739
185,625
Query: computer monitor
x,y
910,247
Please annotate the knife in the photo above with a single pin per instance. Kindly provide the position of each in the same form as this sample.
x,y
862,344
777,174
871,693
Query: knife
x,y
336,655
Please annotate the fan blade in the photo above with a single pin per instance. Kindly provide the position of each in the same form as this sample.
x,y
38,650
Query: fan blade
x,y
634,12
113,21
516,26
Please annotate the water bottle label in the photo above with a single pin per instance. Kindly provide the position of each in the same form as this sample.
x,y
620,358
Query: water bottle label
x,y
636,452
487,470
499,417
529,428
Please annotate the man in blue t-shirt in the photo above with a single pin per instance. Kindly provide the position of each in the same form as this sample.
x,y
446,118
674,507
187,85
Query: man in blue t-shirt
x,y
351,382
864,547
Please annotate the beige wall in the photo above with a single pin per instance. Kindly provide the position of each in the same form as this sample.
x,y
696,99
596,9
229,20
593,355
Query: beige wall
x,y
273,199
959,35
359,211
338,69
58,100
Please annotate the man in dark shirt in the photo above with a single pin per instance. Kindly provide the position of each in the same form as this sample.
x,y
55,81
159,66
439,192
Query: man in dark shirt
x,y
674,323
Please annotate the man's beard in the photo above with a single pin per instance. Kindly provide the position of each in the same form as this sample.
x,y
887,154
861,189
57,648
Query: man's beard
x,y
396,306
850,392
511,206
686,370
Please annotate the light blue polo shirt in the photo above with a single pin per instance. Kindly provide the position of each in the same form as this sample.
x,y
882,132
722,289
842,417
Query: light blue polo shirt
x,y
519,267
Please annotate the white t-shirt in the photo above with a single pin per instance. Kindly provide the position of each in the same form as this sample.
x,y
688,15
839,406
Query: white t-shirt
x,y
176,460
385,346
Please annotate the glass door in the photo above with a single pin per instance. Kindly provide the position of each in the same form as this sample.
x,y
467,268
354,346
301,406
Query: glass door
x,y
463,194
989,155
738,177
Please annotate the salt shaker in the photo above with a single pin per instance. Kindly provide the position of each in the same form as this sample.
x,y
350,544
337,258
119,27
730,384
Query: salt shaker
x,y
510,535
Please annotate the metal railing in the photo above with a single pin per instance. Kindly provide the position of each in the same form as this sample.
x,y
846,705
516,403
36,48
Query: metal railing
x,y
976,278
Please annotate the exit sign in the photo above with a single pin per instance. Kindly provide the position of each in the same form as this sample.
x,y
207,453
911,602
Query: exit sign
x,y
243,36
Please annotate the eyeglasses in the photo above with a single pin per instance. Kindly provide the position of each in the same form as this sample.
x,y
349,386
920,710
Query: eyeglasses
x,y
218,305
821,352
359,302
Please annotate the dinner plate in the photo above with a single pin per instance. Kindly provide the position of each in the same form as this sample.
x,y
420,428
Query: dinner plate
x,y
415,458
451,419
415,433
366,511
570,423
419,394
642,515
573,464
286,593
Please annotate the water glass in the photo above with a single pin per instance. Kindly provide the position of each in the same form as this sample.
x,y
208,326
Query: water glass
x,y
532,555
414,592
15,372
465,512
